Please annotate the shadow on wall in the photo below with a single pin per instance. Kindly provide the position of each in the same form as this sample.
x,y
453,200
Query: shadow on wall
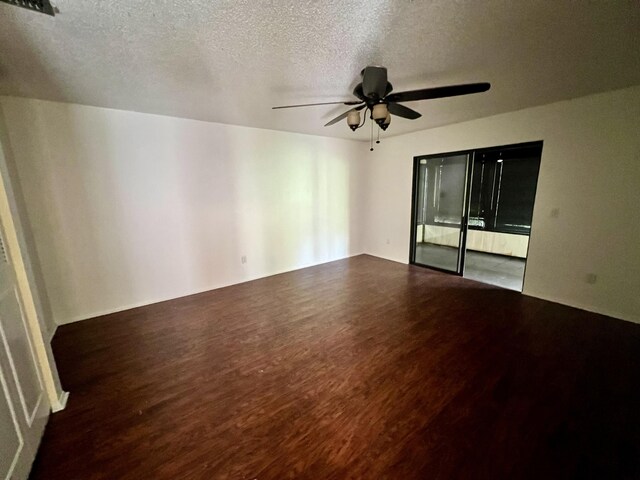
x,y
129,208
294,197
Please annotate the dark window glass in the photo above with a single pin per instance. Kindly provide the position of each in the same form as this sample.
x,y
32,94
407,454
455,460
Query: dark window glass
x,y
482,194
503,189
516,192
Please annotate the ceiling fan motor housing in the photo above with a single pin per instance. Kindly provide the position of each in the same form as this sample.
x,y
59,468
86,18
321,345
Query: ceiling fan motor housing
x,y
374,82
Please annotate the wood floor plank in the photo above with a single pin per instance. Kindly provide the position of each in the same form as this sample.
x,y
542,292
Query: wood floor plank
x,y
357,369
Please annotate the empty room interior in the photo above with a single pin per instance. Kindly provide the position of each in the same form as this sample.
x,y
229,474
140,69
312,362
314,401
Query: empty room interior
x,y
319,240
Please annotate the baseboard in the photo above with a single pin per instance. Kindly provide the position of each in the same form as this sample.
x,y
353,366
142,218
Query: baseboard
x,y
145,303
391,259
617,315
587,308
61,403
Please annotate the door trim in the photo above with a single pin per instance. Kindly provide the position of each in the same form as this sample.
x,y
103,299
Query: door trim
x,y
28,416
16,424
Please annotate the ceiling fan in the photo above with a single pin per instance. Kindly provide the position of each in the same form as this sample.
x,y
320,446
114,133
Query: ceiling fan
x,y
374,94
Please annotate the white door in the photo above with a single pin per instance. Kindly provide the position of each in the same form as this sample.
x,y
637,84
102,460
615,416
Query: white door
x,y
24,406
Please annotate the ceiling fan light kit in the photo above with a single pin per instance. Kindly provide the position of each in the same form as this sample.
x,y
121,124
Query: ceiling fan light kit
x,y
386,122
379,113
353,119
374,95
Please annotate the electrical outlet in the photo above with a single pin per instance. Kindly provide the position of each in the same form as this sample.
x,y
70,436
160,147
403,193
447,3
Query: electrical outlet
x,y
243,259
591,278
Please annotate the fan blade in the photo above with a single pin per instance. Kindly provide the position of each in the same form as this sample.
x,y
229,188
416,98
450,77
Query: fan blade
x,y
402,111
374,82
350,102
343,115
438,92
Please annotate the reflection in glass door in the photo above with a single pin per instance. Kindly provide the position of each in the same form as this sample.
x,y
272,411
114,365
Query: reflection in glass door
x,y
439,211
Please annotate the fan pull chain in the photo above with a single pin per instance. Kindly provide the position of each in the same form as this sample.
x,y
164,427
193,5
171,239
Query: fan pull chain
x,y
378,140
371,136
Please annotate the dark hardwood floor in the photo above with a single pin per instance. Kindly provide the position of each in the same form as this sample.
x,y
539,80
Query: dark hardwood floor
x,y
356,369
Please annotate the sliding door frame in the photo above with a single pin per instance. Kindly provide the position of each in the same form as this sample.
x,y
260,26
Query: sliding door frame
x,y
462,246
465,217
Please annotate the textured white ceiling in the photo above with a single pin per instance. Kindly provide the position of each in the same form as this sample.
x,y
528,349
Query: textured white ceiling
x,y
230,61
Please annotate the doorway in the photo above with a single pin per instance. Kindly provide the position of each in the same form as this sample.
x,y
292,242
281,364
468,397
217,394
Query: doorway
x,y
471,212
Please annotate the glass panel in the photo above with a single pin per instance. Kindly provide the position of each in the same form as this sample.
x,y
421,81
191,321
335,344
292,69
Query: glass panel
x,y
439,211
516,193
480,210
503,189
501,205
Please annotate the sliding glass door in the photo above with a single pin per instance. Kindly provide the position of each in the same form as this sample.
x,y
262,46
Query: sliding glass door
x,y
439,211
472,212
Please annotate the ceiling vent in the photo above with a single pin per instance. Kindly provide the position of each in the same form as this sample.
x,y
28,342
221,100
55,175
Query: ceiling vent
x,y
42,6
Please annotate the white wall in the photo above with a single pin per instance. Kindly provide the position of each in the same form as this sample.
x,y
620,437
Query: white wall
x,y
129,208
590,171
